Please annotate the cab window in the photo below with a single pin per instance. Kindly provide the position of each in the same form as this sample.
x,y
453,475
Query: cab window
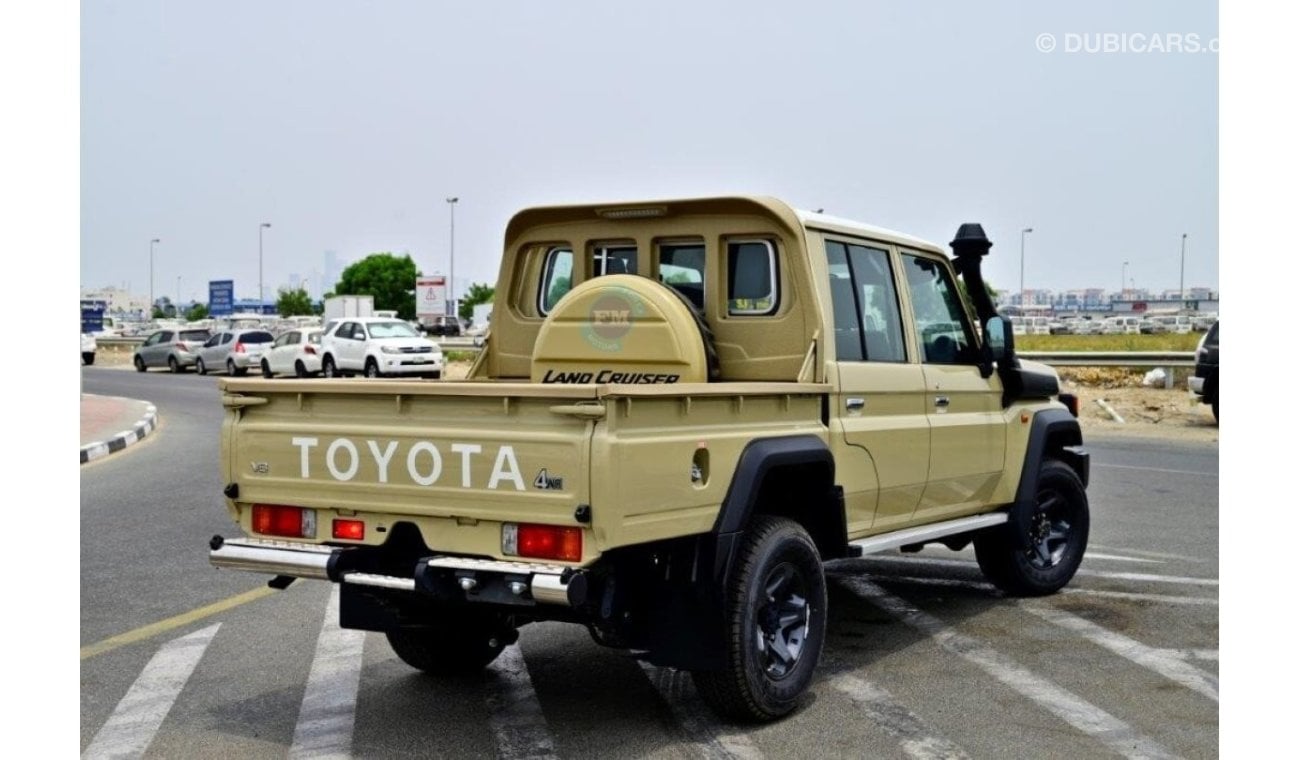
x,y
751,278
941,325
557,278
681,267
868,323
613,259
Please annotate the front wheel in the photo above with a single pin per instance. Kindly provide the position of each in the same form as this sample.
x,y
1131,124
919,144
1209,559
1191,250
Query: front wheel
x,y
200,367
139,364
775,624
372,368
87,357
449,649
1043,561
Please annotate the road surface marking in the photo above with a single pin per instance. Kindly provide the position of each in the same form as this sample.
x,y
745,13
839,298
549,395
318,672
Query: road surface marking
x,y
991,589
917,740
1156,469
1144,553
137,718
1192,654
181,620
328,711
1143,577
515,714
714,740
1084,716
1173,668
1122,558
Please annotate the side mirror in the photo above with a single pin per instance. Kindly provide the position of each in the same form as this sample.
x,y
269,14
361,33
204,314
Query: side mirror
x,y
998,343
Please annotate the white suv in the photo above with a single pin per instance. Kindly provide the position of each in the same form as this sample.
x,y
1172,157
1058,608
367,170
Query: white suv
x,y
378,347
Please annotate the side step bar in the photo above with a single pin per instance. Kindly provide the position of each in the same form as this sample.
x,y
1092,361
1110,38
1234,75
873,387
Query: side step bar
x,y
925,533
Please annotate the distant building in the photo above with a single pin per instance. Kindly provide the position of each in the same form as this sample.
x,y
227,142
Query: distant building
x,y
117,301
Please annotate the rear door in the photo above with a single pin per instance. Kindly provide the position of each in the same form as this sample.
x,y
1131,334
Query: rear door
x,y
879,405
967,425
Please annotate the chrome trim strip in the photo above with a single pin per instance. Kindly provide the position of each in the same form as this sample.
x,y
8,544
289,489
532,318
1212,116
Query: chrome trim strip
x,y
886,541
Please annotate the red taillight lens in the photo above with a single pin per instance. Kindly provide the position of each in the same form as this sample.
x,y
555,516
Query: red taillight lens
x,y
279,520
239,348
350,530
549,542
309,350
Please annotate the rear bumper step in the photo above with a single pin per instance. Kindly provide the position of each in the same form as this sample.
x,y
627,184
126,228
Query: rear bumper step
x,y
464,578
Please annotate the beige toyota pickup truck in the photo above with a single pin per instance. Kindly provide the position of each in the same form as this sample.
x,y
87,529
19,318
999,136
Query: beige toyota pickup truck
x,y
683,410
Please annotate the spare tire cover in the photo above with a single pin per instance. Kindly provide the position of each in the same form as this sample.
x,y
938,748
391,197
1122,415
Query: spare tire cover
x,y
620,328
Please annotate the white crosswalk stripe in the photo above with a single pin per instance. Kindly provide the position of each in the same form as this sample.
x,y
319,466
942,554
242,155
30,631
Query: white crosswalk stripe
x,y
515,715
328,711
712,739
917,740
1155,660
133,724
1082,715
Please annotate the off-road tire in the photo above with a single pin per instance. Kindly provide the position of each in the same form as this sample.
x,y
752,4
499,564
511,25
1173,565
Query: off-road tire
x,y
748,688
200,367
266,370
173,366
1058,538
372,368
328,368
453,649
139,364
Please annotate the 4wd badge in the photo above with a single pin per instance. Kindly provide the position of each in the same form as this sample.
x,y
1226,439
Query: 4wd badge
x,y
545,482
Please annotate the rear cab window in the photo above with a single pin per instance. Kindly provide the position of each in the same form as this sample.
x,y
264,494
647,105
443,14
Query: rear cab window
x,y
751,278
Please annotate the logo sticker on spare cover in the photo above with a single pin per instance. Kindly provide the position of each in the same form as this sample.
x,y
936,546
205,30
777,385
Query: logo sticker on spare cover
x,y
611,319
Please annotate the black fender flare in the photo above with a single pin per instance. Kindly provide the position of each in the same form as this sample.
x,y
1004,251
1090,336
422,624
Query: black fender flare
x,y
758,459
1055,432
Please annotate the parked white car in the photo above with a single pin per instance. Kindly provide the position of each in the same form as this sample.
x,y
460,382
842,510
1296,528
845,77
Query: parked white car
x,y
295,352
378,347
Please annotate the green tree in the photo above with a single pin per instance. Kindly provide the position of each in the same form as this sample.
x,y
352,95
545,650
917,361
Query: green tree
x,y
292,303
197,311
163,309
389,278
478,293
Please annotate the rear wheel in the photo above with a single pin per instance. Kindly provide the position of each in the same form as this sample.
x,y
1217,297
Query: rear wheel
x,y
139,364
775,624
231,369
1043,561
299,369
450,649
266,370
87,357
173,365
1214,406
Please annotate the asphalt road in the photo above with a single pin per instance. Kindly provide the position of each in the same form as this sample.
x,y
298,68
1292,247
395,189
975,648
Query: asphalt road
x,y
923,659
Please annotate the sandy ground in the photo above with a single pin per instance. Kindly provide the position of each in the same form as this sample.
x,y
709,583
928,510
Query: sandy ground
x,y
1147,412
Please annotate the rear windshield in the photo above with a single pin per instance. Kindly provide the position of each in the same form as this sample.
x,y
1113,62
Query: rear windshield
x,y
195,335
256,337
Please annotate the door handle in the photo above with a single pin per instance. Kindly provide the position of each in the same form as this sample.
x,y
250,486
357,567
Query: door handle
x,y
941,401
855,403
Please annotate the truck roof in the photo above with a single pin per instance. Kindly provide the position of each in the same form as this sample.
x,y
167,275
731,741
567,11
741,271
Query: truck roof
x,y
542,215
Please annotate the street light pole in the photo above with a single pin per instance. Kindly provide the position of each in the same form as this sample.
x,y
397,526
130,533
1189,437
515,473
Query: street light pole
x,y
150,308
260,297
178,294
1182,261
1123,278
1023,232
451,280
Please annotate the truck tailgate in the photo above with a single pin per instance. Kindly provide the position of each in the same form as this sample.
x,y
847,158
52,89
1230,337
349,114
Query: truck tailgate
x,y
464,452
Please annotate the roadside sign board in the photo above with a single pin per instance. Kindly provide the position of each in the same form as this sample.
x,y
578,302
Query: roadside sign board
x,y
221,298
430,296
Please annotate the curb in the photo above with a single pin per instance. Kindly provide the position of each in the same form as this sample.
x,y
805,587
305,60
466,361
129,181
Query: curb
x,y
144,426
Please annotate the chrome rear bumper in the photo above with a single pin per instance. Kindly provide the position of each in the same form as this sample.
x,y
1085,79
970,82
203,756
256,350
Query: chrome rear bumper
x,y
477,579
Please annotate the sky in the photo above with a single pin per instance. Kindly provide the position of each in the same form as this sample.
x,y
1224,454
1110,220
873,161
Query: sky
x,y
347,125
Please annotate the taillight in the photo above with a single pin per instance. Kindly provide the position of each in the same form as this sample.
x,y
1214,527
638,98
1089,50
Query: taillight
x,y
350,530
309,350
279,520
542,541
239,348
